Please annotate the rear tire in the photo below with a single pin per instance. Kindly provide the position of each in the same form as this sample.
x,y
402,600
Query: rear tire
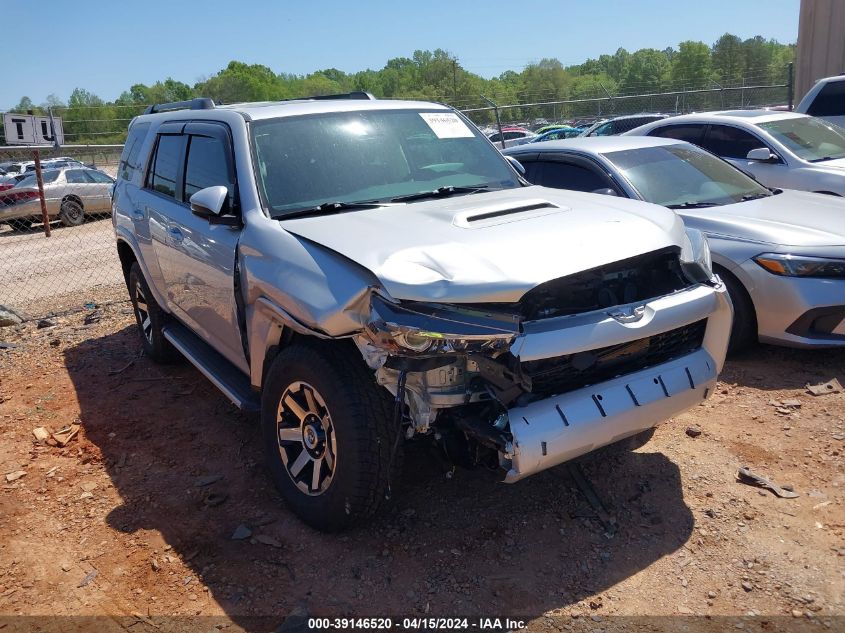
x,y
150,318
744,328
328,435
71,213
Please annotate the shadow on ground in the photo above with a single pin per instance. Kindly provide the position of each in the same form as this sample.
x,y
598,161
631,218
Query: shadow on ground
x,y
798,367
463,544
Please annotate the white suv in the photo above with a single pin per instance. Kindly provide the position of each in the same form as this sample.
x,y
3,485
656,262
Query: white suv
x,y
826,100
363,272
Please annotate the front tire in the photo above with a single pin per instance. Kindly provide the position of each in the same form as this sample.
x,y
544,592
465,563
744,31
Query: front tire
x,y
71,213
150,318
328,434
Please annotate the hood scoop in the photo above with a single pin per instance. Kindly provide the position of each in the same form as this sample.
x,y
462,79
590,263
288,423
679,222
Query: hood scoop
x,y
494,215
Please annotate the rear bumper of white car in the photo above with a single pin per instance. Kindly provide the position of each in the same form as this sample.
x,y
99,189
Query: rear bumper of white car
x,y
551,431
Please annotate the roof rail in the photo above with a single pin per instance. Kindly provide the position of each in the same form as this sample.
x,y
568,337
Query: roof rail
x,y
358,94
200,103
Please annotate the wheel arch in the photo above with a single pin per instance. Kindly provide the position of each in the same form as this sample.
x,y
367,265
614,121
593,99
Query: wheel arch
x,y
271,329
736,281
127,258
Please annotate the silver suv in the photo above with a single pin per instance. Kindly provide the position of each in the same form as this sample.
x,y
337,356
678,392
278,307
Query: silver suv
x,y
363,272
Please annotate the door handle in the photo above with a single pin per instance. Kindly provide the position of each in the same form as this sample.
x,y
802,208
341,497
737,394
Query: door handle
x,y
176,234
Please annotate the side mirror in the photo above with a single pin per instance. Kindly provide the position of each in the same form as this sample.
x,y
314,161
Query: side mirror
x,y
516,165
607,191
209,202
762,154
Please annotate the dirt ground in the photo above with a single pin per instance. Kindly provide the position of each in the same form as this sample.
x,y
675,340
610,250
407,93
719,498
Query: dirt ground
x,y
134,517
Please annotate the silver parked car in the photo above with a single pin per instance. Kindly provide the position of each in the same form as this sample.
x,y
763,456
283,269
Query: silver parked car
x,y
70,194
780,252
363,272
780,149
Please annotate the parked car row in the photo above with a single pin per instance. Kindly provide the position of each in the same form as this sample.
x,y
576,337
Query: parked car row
x,y
17,168
780,252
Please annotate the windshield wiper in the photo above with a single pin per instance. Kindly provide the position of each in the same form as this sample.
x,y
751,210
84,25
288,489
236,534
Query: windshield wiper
x,y
440,192
824,158
692,205
327,208
754,196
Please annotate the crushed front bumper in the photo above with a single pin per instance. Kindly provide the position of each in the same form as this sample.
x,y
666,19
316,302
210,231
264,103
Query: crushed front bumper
x,y
549,432
556,429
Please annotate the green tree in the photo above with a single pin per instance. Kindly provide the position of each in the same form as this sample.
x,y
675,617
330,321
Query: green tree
x,y
691,67
24,105
242,82
647,71
728,60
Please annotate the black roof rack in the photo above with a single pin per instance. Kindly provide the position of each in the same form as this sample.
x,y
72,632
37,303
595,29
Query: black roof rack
x,y
358,94
200,103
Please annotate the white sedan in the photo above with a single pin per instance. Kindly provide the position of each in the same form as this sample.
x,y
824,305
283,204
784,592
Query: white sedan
x,y
779,149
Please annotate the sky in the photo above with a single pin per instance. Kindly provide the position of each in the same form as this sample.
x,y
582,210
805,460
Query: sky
x,y
106,46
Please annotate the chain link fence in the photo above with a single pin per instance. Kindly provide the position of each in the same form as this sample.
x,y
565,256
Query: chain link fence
x,y
587,111
57,249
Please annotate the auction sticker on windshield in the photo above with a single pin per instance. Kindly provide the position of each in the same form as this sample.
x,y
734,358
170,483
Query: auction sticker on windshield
x,y
446,125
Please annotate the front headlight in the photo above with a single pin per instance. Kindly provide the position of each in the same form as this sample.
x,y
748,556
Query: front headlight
x,y
425,329
801,266
695,256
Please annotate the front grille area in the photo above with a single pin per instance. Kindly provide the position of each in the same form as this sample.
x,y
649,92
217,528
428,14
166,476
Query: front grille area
x,y
551,376
635,279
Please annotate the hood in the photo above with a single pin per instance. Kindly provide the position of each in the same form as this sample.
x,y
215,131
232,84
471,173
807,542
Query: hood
x,y
837,163
790,218
491,247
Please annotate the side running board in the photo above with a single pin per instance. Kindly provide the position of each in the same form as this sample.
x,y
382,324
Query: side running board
x,y
225,376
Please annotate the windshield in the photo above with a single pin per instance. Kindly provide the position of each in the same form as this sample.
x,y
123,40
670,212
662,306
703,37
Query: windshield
x,y
676,175
374,155
46,176
808,138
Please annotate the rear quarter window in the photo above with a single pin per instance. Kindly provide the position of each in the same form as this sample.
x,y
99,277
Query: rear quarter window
x,y
830,101
130,158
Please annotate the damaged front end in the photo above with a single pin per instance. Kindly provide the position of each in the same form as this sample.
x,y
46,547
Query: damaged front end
x,y
578,363
452,368
528,385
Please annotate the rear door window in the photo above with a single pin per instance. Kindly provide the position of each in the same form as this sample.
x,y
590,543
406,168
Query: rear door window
x,y
77,176
830,101
730,142
691,133
164,173
563,175
99,177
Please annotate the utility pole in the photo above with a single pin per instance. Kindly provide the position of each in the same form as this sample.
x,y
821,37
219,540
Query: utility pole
x,y
455,80
498,120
